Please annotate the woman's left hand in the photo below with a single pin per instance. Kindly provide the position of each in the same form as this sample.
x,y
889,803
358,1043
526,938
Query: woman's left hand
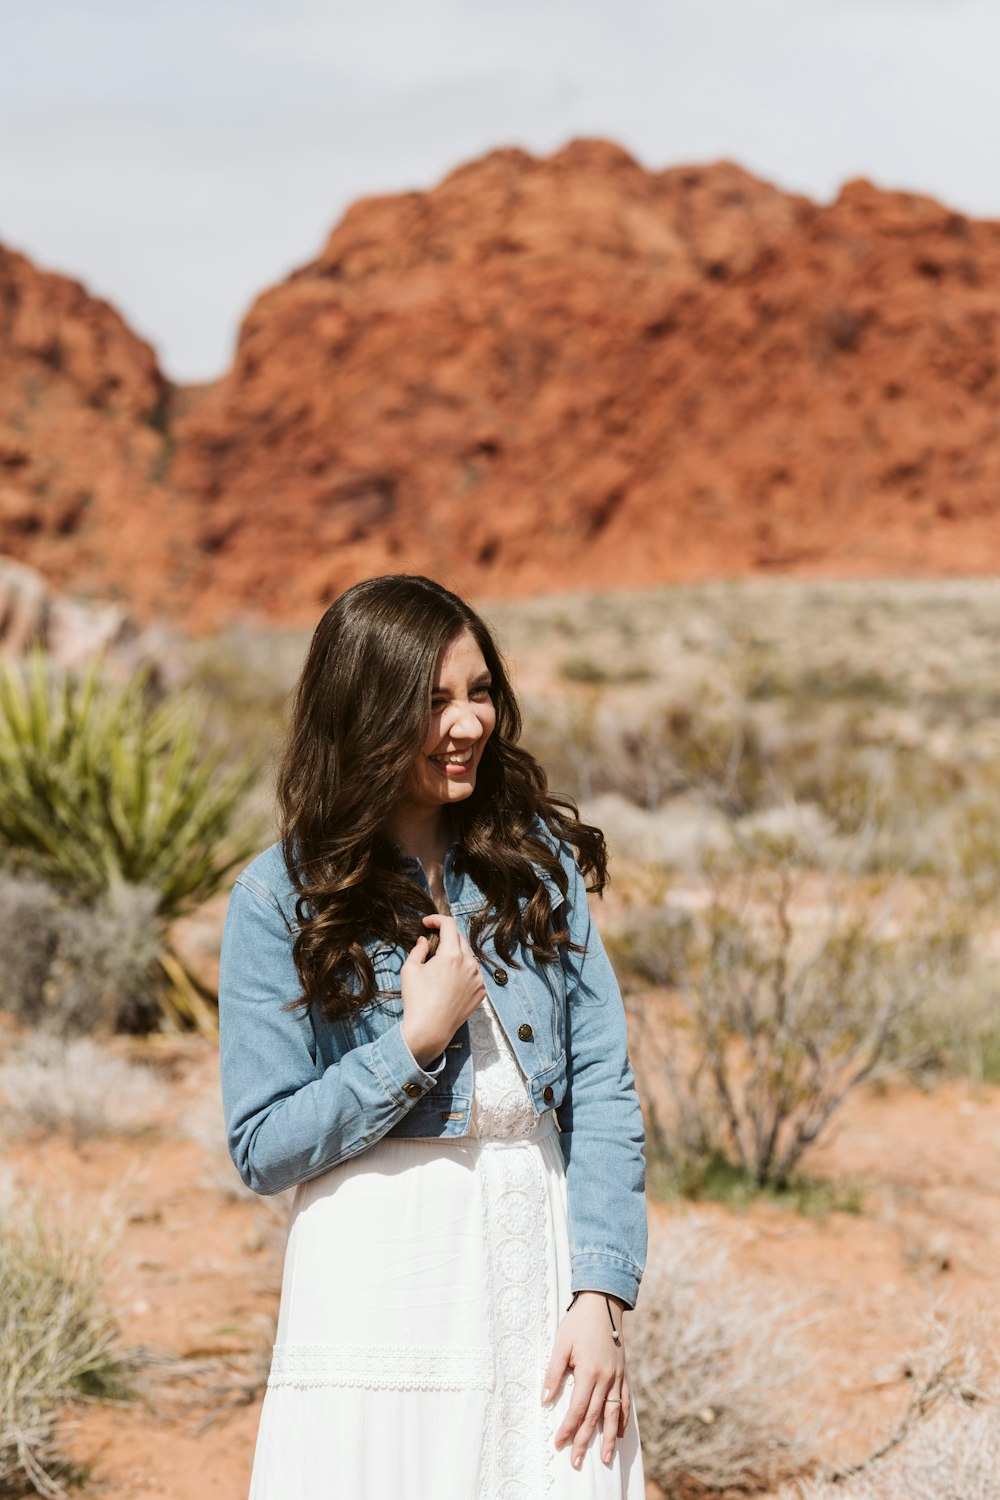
x,y
584,1344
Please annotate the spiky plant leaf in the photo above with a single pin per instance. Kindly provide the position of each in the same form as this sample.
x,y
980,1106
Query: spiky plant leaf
x,y
98,788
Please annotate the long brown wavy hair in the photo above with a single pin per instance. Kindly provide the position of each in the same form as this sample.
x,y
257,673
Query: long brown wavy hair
x,y
361,713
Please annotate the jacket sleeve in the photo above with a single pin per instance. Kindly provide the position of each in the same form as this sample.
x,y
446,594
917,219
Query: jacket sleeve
x,y
287,1117
600,1120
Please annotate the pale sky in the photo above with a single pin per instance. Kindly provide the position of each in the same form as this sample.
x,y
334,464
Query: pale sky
x,y
180,157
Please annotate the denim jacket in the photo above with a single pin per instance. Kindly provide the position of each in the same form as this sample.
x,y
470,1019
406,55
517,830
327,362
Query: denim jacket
x,y
302,1093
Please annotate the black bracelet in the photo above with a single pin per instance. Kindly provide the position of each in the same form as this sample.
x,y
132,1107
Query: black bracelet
x,y
614,1331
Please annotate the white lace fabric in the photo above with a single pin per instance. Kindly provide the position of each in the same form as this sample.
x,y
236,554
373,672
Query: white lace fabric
x,y
517,1446
382,1367
517,1441
501,1104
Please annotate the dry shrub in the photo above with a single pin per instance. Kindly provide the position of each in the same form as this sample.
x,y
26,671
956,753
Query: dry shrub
x,y
48,1082
956,1456
687,833
946,1443
955,1030
79,968
655,946
962,838
715,1369
685,1135
104,977
202,1391
707,740
785,1005
58,1342
29,921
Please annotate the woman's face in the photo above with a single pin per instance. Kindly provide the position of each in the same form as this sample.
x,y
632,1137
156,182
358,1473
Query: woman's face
x,y
462,720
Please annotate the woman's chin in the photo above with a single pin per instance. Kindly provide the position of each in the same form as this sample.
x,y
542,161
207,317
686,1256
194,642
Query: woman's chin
x,y
457,791
452,788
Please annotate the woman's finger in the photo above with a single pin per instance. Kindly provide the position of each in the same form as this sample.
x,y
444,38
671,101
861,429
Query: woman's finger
x,y
610,1424
447,929
626,1406
593,1416
576,1411
553,1378
418,953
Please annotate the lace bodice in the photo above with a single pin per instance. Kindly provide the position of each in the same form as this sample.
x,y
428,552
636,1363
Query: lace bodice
x,y
501,1103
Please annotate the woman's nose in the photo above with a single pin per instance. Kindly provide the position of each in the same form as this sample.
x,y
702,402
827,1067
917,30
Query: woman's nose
x,y
465,722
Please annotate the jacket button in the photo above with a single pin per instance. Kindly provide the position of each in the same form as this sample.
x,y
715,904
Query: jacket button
x,y
413,1089
547,1093
525,1032
500,975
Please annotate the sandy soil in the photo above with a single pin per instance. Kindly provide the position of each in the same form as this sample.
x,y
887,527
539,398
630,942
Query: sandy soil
x,y
196,1270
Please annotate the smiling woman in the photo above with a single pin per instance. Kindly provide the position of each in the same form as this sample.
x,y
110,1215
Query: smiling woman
x,y
422,1034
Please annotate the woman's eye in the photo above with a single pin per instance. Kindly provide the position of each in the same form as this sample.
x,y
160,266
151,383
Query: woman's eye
x,y
482,692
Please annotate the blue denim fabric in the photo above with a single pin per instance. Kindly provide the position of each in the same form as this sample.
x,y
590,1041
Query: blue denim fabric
x,y
301,1093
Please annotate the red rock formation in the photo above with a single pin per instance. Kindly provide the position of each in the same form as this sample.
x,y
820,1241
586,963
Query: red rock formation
x,y
81,399
571,371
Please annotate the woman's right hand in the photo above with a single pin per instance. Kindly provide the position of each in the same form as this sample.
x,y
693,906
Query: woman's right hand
x,y
438,993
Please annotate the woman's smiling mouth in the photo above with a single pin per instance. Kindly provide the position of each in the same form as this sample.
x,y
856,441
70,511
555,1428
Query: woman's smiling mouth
x,y
454,762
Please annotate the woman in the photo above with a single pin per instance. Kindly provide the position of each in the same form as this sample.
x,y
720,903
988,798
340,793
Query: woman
x,y
421,1033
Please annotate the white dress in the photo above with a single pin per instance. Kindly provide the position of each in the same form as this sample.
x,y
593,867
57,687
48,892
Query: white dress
x,y
422,1285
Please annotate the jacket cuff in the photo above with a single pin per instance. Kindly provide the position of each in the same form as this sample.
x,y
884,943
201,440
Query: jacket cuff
x,y
398,1071
597,1271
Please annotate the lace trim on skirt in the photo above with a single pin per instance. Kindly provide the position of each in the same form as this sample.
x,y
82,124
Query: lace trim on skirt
x,y
386,1367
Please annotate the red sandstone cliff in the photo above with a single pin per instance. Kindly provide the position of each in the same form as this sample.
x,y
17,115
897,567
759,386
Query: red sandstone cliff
x,y
81,399
554,373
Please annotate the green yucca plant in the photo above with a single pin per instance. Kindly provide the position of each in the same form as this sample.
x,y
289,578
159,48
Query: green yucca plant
x,y
100,789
